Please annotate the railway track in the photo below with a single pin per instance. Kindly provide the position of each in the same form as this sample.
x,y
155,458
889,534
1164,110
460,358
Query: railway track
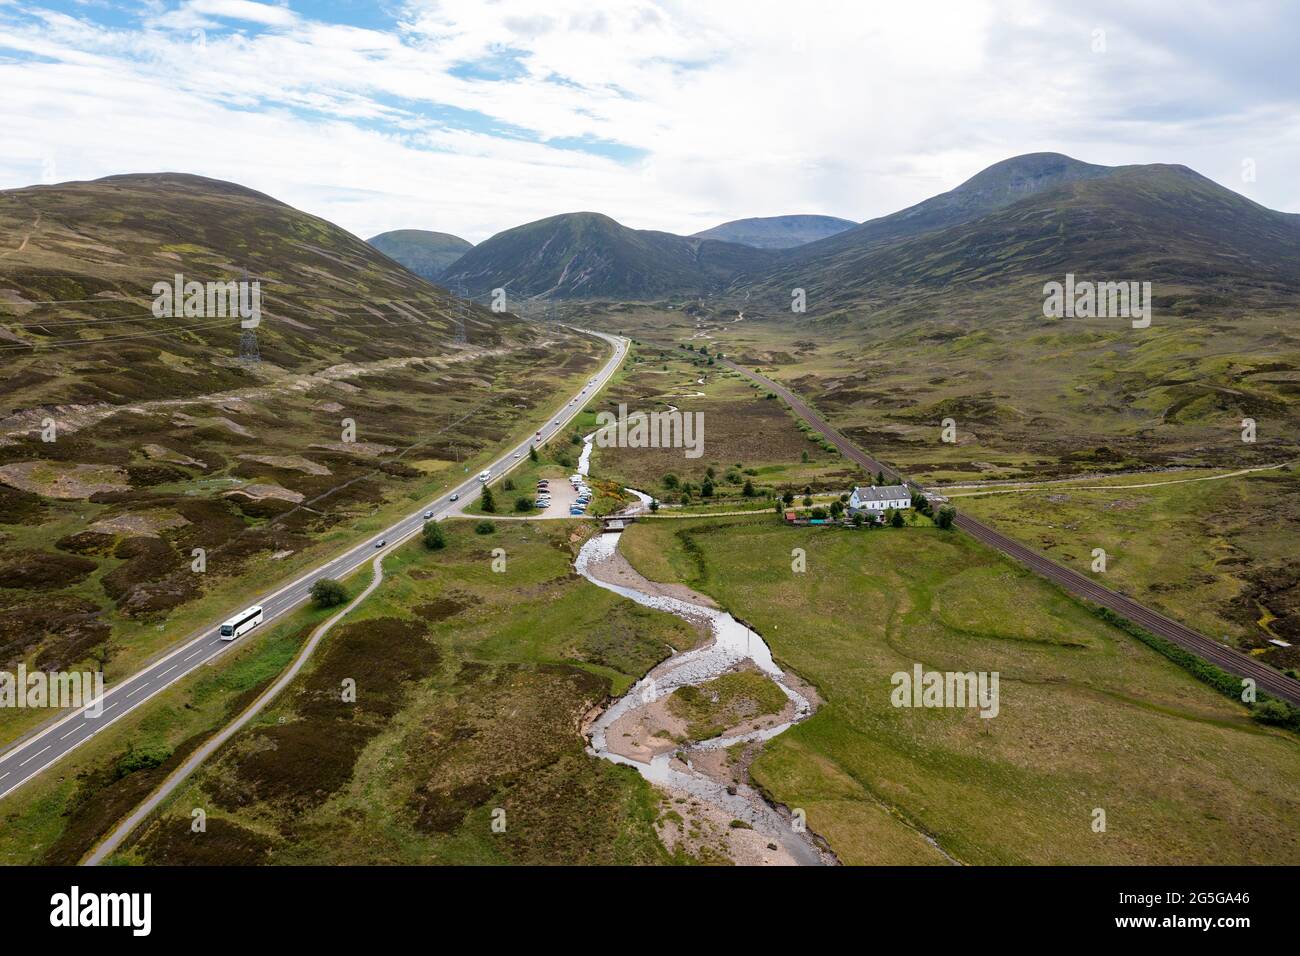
x,y
1268,680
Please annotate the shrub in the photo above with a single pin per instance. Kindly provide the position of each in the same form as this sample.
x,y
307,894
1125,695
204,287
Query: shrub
x,y
485,527
140,758
897,520
508,484
326,592
748,490
669,480
523,504
945,517
1275,713
435,539
532,452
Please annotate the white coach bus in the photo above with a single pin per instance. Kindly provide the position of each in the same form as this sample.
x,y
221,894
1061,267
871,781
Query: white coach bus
x,y
241,623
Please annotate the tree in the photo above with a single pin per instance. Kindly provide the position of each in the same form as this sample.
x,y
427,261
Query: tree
x,y
858,520
880,478
945,518
532,452
709,471
804,457
818,513
434,537
788,498
706,489
897,520
807,501
778,507
487,502
837,508
669,480
326,592
748,491
654,505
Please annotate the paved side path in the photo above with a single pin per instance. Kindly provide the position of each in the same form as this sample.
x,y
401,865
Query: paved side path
x,y
1270,681
178,776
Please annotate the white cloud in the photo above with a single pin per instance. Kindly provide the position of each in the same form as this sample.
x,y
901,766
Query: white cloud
x,y
739,108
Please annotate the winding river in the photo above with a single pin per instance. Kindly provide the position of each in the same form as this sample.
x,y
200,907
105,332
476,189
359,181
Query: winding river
x,y
732,644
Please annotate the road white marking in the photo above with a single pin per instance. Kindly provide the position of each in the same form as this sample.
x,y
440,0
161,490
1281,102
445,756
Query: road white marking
x,y
138,689
199,651
72,731
361,555
169,670
35,755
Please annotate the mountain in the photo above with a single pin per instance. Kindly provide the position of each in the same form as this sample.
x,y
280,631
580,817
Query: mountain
x,y
587,255
777,232
1001,184
76,290
1039,216
132,442
425,253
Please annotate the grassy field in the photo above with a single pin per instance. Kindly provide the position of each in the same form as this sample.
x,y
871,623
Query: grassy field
x,y
58,817
1217,554
724,702
1028,397
747,436
1089,718
92,580
470,685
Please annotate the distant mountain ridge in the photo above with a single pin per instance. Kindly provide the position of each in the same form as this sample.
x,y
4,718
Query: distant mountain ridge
x,y
1040,213
590,255
424,252
1043,215
777,232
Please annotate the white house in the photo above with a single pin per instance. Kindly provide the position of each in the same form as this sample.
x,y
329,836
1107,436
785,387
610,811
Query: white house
x,y
880,499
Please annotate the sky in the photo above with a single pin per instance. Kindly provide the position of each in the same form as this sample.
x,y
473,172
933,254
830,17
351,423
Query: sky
x,y
472,116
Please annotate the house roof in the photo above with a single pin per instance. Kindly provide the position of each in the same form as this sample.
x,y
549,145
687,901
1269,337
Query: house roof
x,y
882,493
